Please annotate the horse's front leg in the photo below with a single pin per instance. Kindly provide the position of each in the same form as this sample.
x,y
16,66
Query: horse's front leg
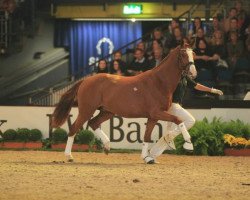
x,y
147,138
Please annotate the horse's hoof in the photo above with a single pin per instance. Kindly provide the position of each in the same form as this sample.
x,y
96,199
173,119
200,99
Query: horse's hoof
x,y
106,148
188,146
70,158
189,152
151,162
106,151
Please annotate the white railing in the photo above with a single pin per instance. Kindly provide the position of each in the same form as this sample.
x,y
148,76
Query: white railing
x,y
53,97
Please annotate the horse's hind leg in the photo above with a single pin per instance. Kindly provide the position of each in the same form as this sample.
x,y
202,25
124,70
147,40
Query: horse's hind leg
x,y
165,116
80,120
147,137
95,123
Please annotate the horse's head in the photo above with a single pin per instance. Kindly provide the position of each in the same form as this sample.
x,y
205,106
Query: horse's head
x,y
186,60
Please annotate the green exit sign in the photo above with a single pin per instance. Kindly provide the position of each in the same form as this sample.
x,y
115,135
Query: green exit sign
x,y
132,9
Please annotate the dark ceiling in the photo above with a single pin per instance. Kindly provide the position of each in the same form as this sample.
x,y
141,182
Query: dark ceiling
x,y
119,1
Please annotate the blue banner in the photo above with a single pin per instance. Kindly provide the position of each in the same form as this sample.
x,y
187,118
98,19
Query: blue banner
x,y
90,41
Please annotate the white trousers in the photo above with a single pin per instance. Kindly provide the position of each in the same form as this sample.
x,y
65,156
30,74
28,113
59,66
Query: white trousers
x,y
173,130
184,115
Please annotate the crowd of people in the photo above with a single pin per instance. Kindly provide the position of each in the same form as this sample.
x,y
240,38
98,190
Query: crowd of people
x,y
222,48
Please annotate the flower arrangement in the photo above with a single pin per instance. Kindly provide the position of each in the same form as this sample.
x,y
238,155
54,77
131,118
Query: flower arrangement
x,y
236,142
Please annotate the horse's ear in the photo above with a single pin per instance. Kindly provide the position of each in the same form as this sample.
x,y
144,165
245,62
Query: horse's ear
x,y
184,44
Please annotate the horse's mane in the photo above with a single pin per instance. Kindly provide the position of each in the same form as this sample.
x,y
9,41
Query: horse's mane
x,y
166,58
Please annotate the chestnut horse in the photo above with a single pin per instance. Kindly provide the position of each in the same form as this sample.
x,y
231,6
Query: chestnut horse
x,y
147,95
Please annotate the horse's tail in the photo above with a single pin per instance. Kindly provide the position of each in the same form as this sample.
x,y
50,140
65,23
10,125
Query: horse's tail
x,y
63,108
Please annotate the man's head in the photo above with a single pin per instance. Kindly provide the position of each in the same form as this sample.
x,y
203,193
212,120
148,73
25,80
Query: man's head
x,y
158,53
232,12
175,23
117,55
234,23
102,64
138,54
157,34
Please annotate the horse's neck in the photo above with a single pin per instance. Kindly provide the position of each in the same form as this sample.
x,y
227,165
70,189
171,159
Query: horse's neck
x,y
168,73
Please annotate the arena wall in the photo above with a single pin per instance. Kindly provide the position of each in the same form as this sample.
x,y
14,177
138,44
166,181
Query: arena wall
x,y
123,132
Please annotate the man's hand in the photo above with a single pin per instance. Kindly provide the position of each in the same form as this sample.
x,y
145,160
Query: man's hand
x,y
216,91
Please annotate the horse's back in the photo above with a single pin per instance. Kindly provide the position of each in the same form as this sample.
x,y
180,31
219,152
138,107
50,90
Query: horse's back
x,y
109,80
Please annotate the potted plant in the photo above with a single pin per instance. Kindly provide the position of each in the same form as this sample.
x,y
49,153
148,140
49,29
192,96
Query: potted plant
x,y
9,139
85,140
207,137
34,138
236,146
22,138
59,138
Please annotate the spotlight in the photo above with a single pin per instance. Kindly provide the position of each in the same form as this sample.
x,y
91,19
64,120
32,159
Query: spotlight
x,y
133,19
2,50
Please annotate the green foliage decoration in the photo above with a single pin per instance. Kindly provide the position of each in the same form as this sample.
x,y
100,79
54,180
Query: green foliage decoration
x,y
85,137
99,144
59,135
35,135
207,137
238,128
9,135
23,134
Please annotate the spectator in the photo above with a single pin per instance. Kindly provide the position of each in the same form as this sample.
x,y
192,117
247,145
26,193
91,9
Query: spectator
x,y
203,62
194,28
116,68
216,26
218,49
233,28
247,33
170,33
122,64
242,65
157,35
235,49
200,35
226,22
177,39
241,13
139,64
147,53
203,55
157,58
141,45
102,66
243,20
246,55
155,45
219,58
173,24
8,5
